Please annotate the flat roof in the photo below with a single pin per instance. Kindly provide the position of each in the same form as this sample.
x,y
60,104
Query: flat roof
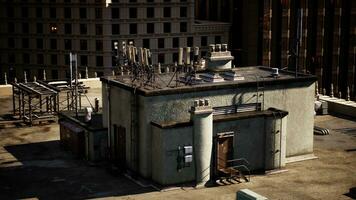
x,y
167,83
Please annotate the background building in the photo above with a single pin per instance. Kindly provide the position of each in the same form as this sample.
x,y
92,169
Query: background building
x,y
266,32
38,35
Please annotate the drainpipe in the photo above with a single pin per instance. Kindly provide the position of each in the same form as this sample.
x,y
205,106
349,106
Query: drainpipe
x,y
109,117
201,114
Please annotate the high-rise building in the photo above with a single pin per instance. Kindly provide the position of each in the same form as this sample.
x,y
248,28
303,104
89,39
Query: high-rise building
x,y
318,36
38,35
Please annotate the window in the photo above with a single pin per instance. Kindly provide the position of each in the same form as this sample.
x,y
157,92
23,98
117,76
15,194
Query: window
x,y
40,59
10,27
150,12
190,41
133,1
39,13
24,12
52,13
98,29
83,29
166,27
115,13
133,28
183,11
11,42
99,45
99,61
54,74
83,13
218,39
39,43
146,43
175,42
53,43
11,58
67,13
161,58
98,13
83,45
66,59
26,58
39,28
175,57
10,11
83,60
25,43
67,44
25,28
160,42
150,27
54,59
115,29
67,28
204,41
166,12
133,12
183,27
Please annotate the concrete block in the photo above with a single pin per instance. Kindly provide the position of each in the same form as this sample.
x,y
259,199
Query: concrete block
x,y
5,90
246,194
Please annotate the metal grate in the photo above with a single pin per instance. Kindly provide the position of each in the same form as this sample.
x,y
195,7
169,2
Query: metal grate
x,y
223,110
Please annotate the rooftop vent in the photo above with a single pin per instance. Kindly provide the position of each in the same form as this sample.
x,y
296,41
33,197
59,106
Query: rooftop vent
x,y
219,58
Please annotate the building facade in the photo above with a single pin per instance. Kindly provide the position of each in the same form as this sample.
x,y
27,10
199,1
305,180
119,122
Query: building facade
x,y
38,35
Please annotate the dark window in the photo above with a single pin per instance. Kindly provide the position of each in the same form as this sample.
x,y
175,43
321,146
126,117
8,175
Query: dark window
x,y
166,12
146,43
39,28
83,45
150,0
83,29
67,44
183,11
25,43
150,12
39,43
11,58
52,13
150,27
54,59
175,57
26,58
39,13
83,60
10,11
161,58
98,13
11,42
115,13
133,12
98,29
40,59
10,27
217,39
133,28
133,1
66,59
160,42
204,41
24,12
183,27
25,28
99,61
53,43
54,74
67,28
67,13
175,42
190,41
83,13
99,45
167,27
115,29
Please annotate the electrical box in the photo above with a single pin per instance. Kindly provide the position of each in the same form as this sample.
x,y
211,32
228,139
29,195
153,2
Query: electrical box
x,y
188,159
188,150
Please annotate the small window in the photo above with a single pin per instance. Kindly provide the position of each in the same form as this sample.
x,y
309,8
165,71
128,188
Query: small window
x,y
175,57
25,43
160,42
150,27
150,12
24,12
39,28
98,29
133,28
25,28
99,61
54,74
84,60
183,11
67,13
39,12
68,28
11,58
146,43
99,45
218,39
161,58
40,59
167,27
26,58
11,42
204,41
10,12
83,29
52,13
183,27
10,27
166,12
54,59
83,13
83,45
115,13
98,13
175,42
66,59
133,12
53,43
115,29
67,44
39,43
190,41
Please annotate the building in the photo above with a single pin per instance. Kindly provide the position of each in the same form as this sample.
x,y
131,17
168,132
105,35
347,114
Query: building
x,y
38,35
191,128
267,33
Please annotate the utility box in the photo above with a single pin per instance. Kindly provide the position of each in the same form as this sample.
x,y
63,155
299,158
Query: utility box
x,y
246,194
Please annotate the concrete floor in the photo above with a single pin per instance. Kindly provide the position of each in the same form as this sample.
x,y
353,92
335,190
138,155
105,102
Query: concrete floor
x,y
32,165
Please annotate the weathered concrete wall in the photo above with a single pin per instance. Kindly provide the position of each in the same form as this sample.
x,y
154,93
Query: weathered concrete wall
x,y
5,90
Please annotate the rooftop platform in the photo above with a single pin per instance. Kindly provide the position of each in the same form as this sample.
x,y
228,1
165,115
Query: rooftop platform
x,y
168,83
